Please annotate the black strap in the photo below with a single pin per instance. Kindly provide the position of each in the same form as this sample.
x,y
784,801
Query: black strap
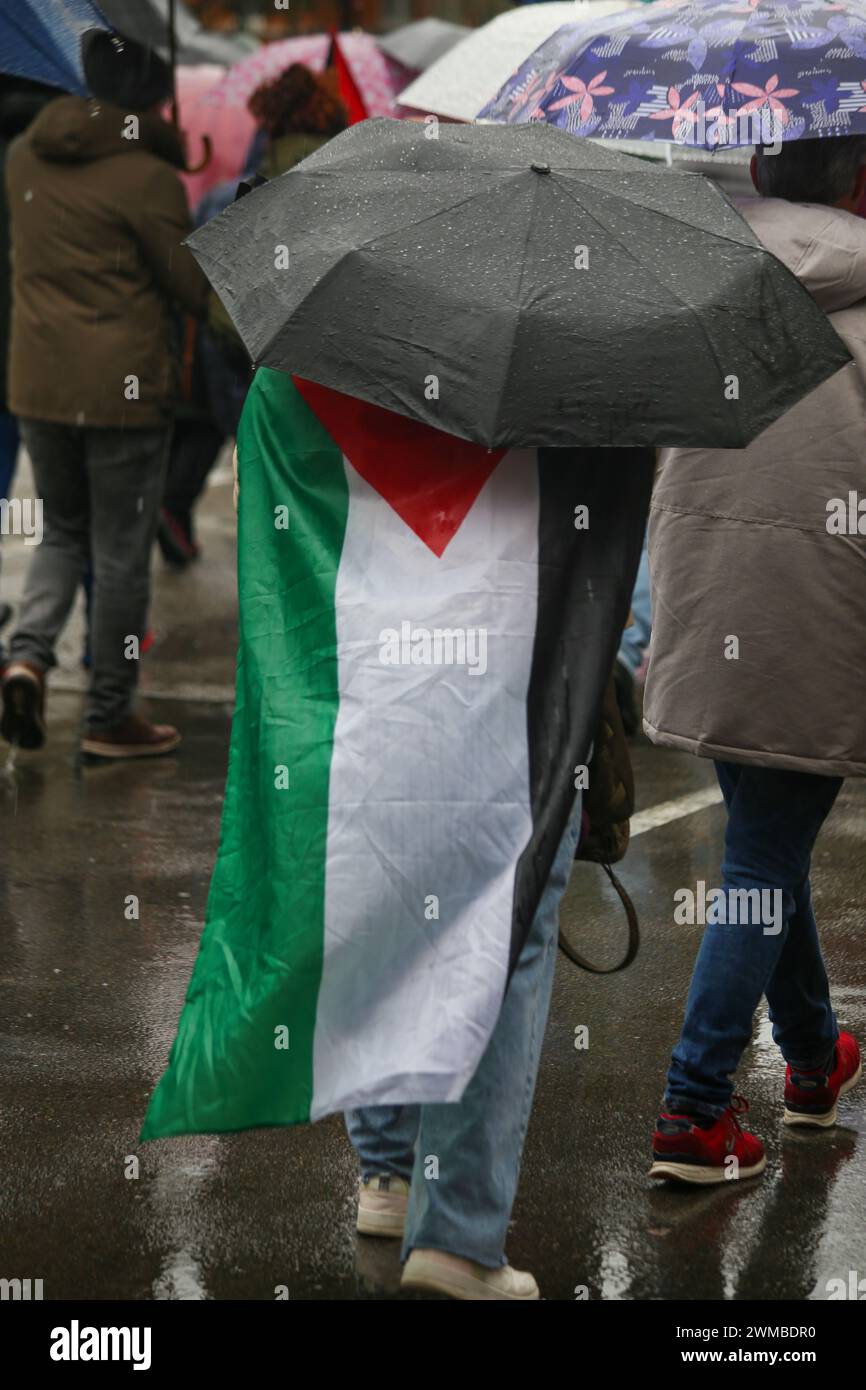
x,y
633,935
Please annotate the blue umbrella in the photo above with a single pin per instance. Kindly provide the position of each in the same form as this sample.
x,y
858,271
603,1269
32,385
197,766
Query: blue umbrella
x,y
41,39
704,73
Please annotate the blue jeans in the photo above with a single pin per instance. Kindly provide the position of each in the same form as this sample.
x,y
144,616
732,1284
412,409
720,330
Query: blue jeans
x,y
479,1140
637,637
774,818
101,490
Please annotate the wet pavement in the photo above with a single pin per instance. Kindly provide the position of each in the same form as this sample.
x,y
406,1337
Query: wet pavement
x,y
89,1001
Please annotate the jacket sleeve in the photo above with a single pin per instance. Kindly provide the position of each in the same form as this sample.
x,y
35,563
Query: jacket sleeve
x,y
160,220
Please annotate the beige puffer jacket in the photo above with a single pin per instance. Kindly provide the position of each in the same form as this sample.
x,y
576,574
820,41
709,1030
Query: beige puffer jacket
x,y
742,560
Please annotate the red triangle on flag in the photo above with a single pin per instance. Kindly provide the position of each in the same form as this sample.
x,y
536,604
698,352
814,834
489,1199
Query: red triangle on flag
x,y
430,478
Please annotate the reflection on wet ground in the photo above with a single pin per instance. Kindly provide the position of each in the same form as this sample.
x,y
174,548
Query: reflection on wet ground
x,y
89,1001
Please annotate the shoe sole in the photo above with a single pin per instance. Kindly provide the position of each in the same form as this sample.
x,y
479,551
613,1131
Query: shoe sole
x,y
433,1278
94,749
825,1121
702,1175
380,1223
22,723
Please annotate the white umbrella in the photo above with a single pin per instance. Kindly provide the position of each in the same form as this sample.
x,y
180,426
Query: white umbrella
x,y
470,74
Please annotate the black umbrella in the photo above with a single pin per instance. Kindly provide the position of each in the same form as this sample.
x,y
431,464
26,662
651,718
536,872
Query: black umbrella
x,y
518,286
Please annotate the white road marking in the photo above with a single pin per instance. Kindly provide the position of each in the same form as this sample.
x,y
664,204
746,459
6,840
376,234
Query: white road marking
x,y
667,811
650,819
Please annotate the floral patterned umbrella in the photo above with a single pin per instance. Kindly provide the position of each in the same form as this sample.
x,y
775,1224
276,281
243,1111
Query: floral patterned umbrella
x,y
700,72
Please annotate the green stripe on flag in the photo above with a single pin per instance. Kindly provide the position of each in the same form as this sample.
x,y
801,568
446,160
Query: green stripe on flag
x,y
260,961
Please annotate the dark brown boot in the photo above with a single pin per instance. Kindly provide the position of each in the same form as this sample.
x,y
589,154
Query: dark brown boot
x,y
23,719
133,737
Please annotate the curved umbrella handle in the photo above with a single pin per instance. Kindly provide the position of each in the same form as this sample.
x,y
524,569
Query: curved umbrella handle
x,y
206,154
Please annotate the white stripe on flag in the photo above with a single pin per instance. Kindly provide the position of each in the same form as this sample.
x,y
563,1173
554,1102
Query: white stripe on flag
x,y
429,797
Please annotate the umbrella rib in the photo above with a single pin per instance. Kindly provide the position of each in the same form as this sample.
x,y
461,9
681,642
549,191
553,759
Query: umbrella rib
x,y
661,282
363,245
671,216
529,225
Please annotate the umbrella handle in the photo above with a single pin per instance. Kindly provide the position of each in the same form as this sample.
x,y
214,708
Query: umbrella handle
x,y
206,154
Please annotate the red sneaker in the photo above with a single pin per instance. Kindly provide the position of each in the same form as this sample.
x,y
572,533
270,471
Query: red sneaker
x,y
811,1096
685,1151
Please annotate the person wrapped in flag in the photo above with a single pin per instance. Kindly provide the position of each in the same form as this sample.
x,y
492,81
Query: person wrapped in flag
x,y
425,634
434,571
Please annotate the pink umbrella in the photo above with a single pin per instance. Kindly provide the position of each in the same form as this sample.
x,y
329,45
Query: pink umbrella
x,y
242,79
230,129
377,79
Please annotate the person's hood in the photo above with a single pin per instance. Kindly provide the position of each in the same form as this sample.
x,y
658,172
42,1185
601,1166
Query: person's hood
x,y
825,247
75,130
288,150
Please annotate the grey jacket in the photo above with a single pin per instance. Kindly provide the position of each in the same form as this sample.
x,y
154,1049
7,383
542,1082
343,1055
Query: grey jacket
x,y
758,650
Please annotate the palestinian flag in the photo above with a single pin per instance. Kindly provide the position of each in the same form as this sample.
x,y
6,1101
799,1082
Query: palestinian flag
x,y
426,631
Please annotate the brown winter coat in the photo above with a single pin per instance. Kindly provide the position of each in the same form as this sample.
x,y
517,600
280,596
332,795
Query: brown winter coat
x,y
740,549
99,275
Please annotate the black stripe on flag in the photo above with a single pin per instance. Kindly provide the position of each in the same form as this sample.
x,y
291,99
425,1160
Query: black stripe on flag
x,y
585,583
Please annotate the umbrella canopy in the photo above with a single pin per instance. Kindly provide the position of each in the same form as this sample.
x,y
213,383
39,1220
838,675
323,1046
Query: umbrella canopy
x,y
518,287
230,131
458,85
242,79
419,44
147,21
701,73
369,80
41,39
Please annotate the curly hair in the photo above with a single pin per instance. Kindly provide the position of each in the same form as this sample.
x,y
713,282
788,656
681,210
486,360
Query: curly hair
x,y
298,101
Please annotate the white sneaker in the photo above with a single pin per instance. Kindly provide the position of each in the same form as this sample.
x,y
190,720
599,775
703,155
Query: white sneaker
x,y
440,1272
382,1205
